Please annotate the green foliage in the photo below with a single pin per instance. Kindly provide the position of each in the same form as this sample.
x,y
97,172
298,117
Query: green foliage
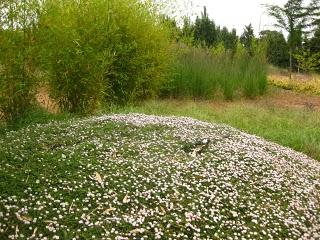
x,y
229,39
277,49
247,38
193,76
17,64
143,52
171,23
252,70
103,50
314,43
204,73
77,62
314,9
187,31
205,30
308,58
294,17
308,61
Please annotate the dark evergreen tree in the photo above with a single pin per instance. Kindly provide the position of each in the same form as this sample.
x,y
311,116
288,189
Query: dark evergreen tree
x,y
247,38
187,31
276,47
314,9
232,40
205,30
229,39
314,42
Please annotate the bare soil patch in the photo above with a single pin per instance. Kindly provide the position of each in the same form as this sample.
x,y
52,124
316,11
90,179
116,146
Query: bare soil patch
x,y
45,101
276,98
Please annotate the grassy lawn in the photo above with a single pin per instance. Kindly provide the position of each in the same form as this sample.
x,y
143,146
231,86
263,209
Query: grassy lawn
x,y
294,127
142,177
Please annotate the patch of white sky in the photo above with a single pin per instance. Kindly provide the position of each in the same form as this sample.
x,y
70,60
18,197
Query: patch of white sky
x,y
232,13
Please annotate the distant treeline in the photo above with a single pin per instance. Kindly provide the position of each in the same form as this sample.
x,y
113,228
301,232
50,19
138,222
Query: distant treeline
x,y
304,40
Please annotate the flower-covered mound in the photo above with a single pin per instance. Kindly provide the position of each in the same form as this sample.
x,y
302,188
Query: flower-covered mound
x,y
147,177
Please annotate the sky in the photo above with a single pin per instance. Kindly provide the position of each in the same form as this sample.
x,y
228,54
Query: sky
x,y
235,13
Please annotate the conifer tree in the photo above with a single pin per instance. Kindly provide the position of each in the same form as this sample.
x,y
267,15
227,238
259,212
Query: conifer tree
x,y
247,38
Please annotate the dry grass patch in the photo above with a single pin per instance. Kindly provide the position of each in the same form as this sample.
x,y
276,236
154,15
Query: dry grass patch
x,y
305,83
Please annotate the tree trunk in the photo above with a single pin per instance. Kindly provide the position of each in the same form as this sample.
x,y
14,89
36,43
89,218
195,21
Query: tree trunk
x,y
290,67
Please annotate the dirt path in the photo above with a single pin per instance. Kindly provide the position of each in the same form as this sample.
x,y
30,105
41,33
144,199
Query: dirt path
x,y
291,99
276,98
45,101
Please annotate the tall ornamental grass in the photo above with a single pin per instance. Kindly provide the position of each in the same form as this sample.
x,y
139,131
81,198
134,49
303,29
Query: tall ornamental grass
x,y
75,52
207,73
17,58
98,51
142,48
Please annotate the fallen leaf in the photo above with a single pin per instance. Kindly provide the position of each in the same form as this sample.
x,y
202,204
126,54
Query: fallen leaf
x,y
34,233
99,179
24,219
109,210
163,211
49,221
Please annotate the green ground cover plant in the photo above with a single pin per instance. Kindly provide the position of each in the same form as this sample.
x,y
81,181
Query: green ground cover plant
x,y
295,128
137,176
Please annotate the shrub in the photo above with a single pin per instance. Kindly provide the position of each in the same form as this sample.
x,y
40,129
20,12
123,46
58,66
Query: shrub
x,y
97,50
143,51
17,64
74,52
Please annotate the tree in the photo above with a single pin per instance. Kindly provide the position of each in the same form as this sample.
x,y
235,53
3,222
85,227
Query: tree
x,y
314,9
277,49
308,61
229,39
314,42
309,57
293,18
247,38
187,32
205,30
171,23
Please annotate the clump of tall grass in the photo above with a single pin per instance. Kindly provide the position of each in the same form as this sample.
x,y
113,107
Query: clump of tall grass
x,y
98,51
74,52
17,59
206,73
